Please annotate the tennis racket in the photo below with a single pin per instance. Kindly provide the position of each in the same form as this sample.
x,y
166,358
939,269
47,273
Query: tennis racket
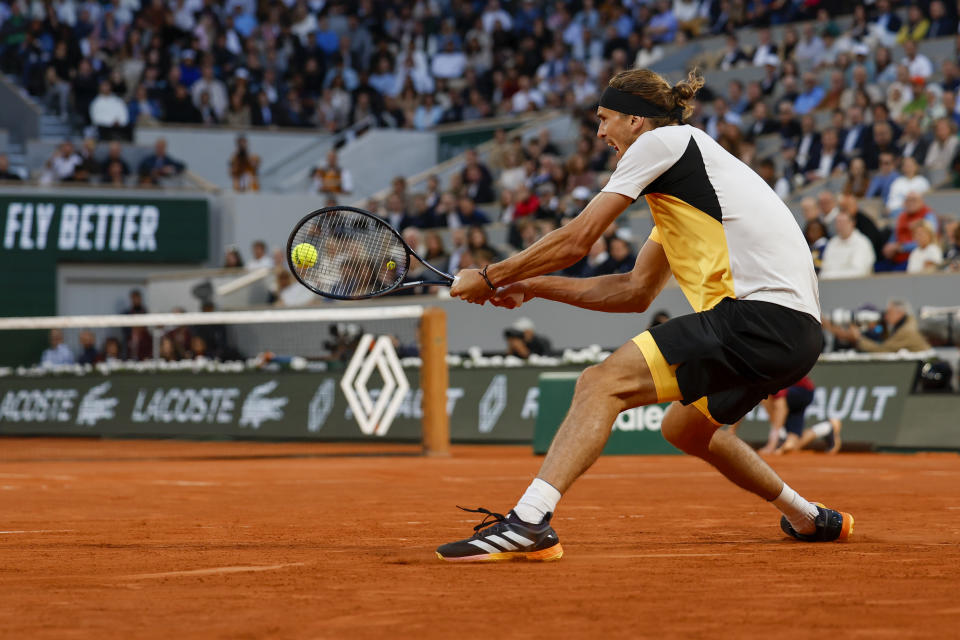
x,y
347,253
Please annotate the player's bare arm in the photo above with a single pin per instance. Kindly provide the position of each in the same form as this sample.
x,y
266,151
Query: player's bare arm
x,y
556,250
617,293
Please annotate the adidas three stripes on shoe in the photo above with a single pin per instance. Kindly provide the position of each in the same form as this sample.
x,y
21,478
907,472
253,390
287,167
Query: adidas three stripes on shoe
x,y
500,537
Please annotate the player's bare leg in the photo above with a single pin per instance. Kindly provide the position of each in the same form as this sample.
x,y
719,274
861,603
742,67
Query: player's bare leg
x,y
692,432
620,382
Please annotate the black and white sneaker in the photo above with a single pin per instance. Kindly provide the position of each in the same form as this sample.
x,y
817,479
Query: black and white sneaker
x,y
504,538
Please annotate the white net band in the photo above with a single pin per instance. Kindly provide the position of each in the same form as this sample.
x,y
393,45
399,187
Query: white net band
x,y
215,317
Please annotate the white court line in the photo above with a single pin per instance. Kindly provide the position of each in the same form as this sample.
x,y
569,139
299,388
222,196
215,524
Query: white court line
x,y
212,571
186,483
40,531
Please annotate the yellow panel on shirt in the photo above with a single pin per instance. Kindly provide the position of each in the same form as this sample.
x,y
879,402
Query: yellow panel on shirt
x,y
696,248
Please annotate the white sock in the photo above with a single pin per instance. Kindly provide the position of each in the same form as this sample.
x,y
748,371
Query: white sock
x,y
539,500
822,429
798,511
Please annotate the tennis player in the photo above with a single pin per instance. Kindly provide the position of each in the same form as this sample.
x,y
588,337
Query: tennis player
x,y
742,263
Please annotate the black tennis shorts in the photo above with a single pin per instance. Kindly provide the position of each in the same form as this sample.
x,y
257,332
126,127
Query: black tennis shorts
x,y
737,353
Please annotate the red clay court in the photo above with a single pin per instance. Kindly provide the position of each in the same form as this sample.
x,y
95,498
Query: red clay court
x,y
153,539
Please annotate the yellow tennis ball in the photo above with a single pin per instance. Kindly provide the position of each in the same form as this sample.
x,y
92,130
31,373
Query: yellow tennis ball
x,y
304,255
391,265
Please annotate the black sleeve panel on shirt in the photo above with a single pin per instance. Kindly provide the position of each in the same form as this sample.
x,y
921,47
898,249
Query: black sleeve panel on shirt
x,y
687,180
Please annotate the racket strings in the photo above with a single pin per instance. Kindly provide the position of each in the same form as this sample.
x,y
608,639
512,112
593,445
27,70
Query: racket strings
x,y
358,256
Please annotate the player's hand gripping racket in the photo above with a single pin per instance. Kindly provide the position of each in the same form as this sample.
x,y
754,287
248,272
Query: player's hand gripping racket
x,y
347,253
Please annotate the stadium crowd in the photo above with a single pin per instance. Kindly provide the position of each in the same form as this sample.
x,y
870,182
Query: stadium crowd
x,y
839,104
311,63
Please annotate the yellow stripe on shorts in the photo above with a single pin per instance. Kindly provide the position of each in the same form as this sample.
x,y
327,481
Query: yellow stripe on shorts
x,y
664,374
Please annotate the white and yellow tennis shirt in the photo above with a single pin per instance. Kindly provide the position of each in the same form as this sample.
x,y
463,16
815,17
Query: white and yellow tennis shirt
x,y
725,232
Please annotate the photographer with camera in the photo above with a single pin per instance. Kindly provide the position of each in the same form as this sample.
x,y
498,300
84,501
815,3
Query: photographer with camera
x,y
244,167
523,342
901,331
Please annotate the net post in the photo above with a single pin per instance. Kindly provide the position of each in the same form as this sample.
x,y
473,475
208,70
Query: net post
x,y
434,380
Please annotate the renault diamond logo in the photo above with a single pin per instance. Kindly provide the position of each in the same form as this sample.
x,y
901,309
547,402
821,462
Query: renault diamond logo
x,y
374,418
493,402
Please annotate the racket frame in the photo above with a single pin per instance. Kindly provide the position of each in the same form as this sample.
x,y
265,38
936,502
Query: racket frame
x,y
446,281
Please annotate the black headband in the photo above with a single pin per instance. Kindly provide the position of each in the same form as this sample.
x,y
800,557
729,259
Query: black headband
x,y
634,105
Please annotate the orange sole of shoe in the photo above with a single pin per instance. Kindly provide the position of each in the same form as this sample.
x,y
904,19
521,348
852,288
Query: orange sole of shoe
x,y
550,554
847,529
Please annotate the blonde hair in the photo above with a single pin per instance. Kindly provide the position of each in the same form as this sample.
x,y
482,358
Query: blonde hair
x,y
653,87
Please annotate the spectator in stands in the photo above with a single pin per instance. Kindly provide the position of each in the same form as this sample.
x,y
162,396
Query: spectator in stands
x,y
232,258
215,89
63,163
721,114
858,180
88,167
880,141
909,182
436,253
811,97
111,351
897,250
114,156
816,234
523,341
115,175
5,173
854,136
88,348
238,113
169,351
864,223
916,26
395,213
260,258
827,208
951,258
109,114
882,180
142,110
926,256
733,55
331,178
621,257
179,107
58,353
808,145
468,214
944,146
829,161
918,65
158,166
244,167
913,144
849,254
902,331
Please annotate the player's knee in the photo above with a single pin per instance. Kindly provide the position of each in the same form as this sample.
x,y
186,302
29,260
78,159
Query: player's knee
x,y
590,381
684,437
598,382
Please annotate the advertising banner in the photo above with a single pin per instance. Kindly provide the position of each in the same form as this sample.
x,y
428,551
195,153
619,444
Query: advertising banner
x,y
485,405
868,397
104,229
